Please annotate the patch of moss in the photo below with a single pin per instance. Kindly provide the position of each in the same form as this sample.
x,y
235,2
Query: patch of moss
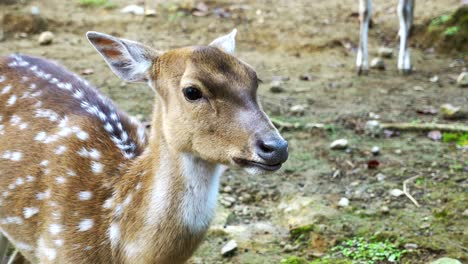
x,y
294,260
460,138
297,232
94,3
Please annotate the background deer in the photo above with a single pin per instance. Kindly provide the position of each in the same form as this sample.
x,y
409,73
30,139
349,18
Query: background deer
x,y
405,13
82,183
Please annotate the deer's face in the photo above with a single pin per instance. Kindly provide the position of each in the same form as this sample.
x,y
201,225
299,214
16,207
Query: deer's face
x,y
209,104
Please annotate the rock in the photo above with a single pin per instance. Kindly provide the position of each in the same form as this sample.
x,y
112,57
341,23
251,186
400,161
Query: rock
x,y
384,209
373,127
451,112
246,198
133,9
35,11
227,201
150,12
297,110
375,150
377,63
396,192
411,246
380,177
418,88
46,38
276,87
446,261
434,79
229,248
344,202
462,79
435,135
305,77
290,248
227,189
385,52
339,144
373,115
23,23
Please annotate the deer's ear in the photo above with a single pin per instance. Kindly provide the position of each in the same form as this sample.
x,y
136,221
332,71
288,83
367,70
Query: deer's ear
x,y
226,43
128,59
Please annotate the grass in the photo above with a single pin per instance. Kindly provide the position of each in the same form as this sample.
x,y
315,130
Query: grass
x,y
361,250
460,139
95,3
440,20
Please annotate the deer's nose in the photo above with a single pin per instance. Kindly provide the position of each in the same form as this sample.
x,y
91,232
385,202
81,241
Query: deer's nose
x,y
272,150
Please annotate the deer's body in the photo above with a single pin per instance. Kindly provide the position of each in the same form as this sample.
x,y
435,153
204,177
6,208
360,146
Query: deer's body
x,y
81,182
405,12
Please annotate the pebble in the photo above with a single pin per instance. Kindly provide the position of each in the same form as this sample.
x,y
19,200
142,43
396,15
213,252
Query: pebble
x,y
297,109
418,88
375,150
434,79
449,111
446,261
290,248
462,79
46,38
385,52
373,126
246,198
384,209
133,9
276,87
396,192
305,77
411,246
339,144
377,63
229,248
380,177
344,202
227,189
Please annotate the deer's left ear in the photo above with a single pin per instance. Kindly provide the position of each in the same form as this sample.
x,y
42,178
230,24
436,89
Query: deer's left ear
x,y
128,59
226,43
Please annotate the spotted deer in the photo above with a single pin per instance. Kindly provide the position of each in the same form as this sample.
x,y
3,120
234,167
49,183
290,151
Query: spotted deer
x,y
405,12
82,183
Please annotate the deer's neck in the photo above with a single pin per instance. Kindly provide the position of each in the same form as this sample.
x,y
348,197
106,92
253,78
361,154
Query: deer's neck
x,y
174,198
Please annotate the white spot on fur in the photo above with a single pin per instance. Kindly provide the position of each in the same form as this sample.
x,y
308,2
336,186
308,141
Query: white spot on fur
x,y
2,78
85,195
60,150
42,248
58,242
41,136
28,212
16,156
30,178
43,195
114,234
44,163
6,89
97,167
55,229
60,179
85,225
108,203
12,100
11,220
23,246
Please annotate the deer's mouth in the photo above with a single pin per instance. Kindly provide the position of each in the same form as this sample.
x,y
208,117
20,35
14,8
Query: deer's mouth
x,y
261,165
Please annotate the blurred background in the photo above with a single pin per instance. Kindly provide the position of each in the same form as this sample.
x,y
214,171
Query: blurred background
x,y
371,178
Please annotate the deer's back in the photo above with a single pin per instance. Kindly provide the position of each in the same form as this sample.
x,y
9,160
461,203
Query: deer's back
x,y
62,145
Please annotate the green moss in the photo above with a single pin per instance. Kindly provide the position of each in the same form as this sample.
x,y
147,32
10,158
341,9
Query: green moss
x,y
294,260
93,3
460,138
297,232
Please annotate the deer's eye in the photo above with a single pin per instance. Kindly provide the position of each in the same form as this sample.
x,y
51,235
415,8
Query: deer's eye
x,y
192,93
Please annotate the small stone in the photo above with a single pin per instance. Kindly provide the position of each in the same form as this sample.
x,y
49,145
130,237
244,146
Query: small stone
x,y
398,151
246,198
462,79
446,261
305,77
449,111
344,202
373,127
46,38
297,109
229,248
339,144
290,248
380,177
375,150
385,52
373,115
434,79
227,189
133,9
377,63
276,87
384,209
396,192
150,12
411,246
418,88
87,71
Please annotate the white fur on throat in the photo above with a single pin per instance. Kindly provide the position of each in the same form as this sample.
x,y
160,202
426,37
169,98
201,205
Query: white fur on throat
x,y
200,197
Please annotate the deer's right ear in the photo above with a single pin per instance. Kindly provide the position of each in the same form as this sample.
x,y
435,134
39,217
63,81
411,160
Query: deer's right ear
x,y
128,59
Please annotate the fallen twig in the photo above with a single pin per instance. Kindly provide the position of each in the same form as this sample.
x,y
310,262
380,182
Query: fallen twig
x,y
405,191
425,126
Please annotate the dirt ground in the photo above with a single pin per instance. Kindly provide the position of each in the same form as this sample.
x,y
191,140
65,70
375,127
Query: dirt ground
x,y
284,40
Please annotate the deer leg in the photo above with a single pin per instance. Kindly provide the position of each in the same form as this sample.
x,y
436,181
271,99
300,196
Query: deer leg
x,y
362,58
405,14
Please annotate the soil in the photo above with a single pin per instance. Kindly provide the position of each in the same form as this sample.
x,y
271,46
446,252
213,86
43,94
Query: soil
x,y
286,40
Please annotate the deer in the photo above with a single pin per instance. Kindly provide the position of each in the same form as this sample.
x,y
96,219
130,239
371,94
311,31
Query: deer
x,y
83,182
405,12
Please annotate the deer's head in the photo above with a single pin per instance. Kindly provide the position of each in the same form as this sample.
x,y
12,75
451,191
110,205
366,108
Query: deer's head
x,y
208,100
